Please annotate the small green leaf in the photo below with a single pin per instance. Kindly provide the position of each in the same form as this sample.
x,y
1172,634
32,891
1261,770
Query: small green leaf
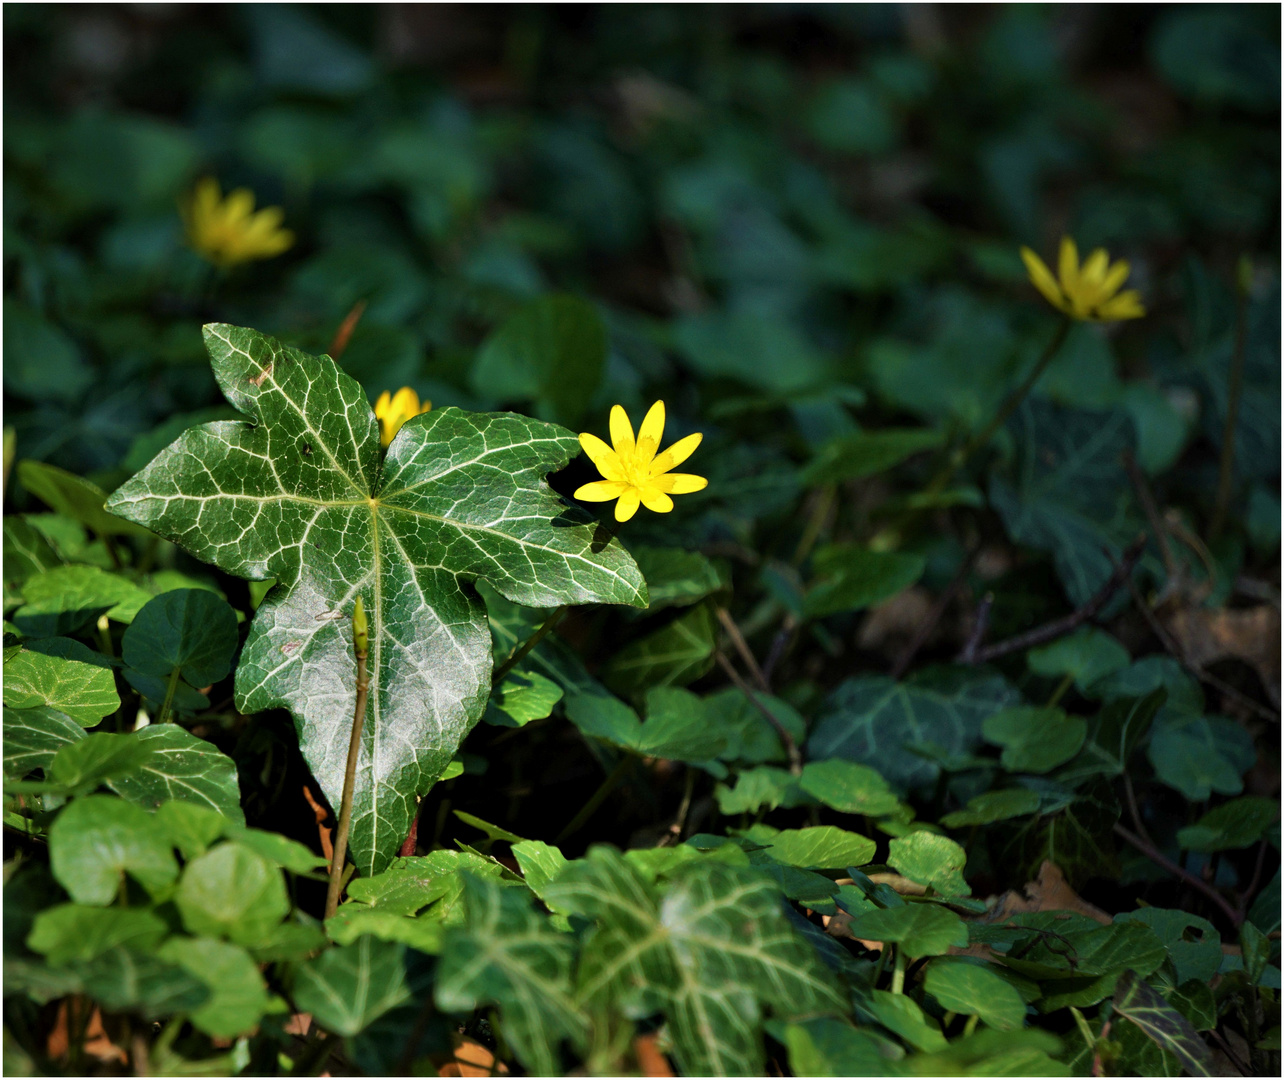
x,y
74,497
1194,999
180,765
992,806
540,863
848,578
675,577
1235,824
675,729
972,989
902,1016
551,352
932,860
1255,948
238,997
97,759
127,980
1113,735
764,786
848,787
827,1047
232,892
32,738
1086,655
277,849
1165,1026
85,692
412,883
192,630
191,828
524,696
493,832
822,847
864,453
26,552
347,987
354,921
1199,755
63,600
507,955
921,929
671,656
97,839
1033,739
79,932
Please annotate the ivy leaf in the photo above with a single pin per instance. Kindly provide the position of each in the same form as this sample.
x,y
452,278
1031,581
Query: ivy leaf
x,y
193,630
66,598
98,838
923,929
299,493
508,955
671,656
74,497
33,737
1235,824
347,987
847,787
992,806
238,996
233,892
1034,739
974,989
70,932
126,980
709,952
676,577
930,859
877,721
849,577
85,692
1164,1025
183,766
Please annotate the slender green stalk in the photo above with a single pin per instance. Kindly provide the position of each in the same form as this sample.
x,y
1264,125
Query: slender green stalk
x,y
518,654
163,716
1010,405
360,640
898,972
970,1026
1066,682
595,800
1226,465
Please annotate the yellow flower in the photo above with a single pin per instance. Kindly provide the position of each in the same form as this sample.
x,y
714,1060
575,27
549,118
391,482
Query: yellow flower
x,y
393,410
1087,291
633,473
228,231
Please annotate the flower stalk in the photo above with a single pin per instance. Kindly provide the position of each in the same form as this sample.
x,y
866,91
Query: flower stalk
x,y
361,646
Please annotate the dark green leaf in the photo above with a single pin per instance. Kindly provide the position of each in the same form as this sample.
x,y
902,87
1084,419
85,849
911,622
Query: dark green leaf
x,y
1086,655
192,630
1034,740
74,497
849,578
1165,1026
98,838
921,929
1235,824
32,737
675,578
671,656
97,759
299,494
179,765
78,932
827,1047
973,989
864,453
127,980
992,806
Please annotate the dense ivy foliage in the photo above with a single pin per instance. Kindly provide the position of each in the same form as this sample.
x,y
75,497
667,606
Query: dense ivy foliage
x,y
937,734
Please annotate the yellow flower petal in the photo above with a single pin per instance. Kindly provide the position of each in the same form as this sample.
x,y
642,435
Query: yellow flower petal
x,y
676,454
621,432
650,434
382,405
1068,266
405,402
1094,269
655,499
1115,277
679,483
239,205
628,504
1041,278
607,460
1127,305
601,490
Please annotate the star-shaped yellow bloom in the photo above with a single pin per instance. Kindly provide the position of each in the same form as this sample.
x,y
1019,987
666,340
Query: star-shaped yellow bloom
x,y
632,471
393,410
1088,292
228,231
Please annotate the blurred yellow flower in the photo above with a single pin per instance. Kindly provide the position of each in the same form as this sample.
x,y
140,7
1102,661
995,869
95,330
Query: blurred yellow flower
x,y
393,410
632,472
1090,291
228,231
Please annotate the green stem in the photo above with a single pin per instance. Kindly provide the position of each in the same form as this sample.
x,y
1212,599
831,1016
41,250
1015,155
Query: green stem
x,y
970,1026
1066,682
898,972
1226,465
519,653
595,800
961,456
163,716
337,879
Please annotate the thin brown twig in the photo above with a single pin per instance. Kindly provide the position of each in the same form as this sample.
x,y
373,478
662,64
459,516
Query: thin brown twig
x,y
1231,1056
344,334
1134,811
742,647
1197,883
1050,631
791,747
934,616
979,627
1146,498
349,784
520,652
779,644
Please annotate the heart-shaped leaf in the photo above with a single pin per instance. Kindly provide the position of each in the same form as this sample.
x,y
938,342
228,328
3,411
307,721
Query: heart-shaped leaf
x,y
300,493
193,630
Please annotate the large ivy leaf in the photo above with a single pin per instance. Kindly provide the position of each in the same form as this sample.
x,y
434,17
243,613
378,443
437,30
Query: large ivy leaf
x,y
878,721
299,493
508,955
182,766
32,737
709,952
345,988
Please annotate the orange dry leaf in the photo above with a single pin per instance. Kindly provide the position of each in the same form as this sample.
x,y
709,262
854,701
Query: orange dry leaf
x,y
472,1059
327,848
650,1061
1048,892
97,1042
